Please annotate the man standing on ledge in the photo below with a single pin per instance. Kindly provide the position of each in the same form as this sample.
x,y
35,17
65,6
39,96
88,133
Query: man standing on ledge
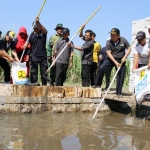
x,y
87,57
52,42
6,44
65,59
141,51
38,52
96,52
115,49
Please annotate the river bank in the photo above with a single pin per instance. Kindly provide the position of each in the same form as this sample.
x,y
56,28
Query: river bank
x,y
47,99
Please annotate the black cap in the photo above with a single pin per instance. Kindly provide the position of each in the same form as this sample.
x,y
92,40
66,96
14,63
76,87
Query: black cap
x,y
35,25
115,31
59,25
0,32
140,35
66,31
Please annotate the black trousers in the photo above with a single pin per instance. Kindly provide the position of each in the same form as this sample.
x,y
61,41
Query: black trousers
x,y
107,65
34,69
53,74
93,73
5,66
86,75
100,76
61,72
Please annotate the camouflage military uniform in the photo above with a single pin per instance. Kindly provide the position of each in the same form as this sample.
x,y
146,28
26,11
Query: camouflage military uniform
x,y
52,42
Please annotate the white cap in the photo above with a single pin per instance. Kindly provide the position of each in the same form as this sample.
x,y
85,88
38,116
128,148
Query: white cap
x,y
148,27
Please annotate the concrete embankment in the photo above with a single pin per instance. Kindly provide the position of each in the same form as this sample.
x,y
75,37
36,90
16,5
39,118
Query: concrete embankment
x,y
39,99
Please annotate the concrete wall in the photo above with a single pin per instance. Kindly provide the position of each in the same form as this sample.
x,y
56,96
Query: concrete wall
x,y
38,99
137,25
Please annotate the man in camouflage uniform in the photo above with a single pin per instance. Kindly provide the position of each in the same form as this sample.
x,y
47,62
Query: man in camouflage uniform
x,y
50,51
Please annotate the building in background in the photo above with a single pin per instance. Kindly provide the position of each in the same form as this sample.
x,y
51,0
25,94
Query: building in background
x,y
137,25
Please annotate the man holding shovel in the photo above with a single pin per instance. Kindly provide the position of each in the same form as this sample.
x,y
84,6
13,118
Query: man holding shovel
x,y
52,42
38,52
117,54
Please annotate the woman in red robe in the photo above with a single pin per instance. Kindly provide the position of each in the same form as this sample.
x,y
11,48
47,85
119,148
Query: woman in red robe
x,y
20,42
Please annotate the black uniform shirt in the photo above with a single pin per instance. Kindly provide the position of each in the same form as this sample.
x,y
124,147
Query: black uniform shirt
x,y
4,45
118,49
87,52
38,45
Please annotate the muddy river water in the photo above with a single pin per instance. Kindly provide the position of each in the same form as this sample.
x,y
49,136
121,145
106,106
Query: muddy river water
x,y
76,131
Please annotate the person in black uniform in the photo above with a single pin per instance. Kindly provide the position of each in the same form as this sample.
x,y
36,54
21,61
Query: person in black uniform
x,y
102,58
116,52
87,57
38,52
7,43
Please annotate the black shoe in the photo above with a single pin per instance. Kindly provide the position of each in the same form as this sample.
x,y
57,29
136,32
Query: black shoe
x,y
106,89
52,84
95,86
119,95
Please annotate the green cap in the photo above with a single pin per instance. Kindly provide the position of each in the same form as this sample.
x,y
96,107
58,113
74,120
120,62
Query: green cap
x,y
59,25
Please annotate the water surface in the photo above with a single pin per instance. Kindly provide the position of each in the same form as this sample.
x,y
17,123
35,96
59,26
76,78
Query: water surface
x,y
74,131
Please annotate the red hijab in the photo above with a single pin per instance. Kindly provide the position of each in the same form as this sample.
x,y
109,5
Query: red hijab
x,y
21,41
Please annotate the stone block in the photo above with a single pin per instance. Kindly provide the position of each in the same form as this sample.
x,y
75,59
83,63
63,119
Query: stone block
x,y
91,92
15,108
36,108
26,108
57,92
72,108
38,91
22,100
84,107
73,91
20,90
29,91
59,108
6,90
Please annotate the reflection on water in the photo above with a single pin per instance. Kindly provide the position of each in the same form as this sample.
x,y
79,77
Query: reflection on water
x,y
73,132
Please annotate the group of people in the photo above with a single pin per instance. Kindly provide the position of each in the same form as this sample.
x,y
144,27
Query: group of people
x,y
95,61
